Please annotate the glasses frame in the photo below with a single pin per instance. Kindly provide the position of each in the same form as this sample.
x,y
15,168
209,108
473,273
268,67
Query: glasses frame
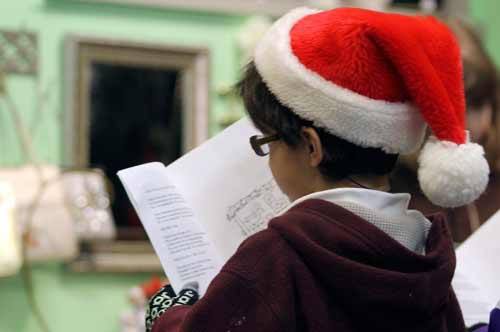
x,y
256,141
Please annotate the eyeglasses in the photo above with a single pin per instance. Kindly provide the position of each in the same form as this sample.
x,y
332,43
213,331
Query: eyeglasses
x,y
260,144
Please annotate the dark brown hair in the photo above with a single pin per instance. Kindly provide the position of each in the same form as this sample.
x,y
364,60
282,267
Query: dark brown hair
x,y
480,76
341,158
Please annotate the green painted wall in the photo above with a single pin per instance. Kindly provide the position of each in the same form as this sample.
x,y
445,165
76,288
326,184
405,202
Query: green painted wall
x,y
83,302
69,301
484,13
56,19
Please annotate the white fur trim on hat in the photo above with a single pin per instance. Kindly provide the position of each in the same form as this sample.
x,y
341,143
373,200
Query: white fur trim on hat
x,y
393,127
452,175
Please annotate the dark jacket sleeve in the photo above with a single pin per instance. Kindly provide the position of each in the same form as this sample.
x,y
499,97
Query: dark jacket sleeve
x,y
231,303
454,317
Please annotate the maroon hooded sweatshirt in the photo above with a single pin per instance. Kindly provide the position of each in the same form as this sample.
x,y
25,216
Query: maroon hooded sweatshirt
x,y
319,267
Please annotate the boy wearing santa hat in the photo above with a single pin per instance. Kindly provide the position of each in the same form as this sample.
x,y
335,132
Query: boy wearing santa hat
x,y
338,95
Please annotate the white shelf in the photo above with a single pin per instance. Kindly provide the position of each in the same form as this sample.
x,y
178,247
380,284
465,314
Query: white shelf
x,y
269,7
266,7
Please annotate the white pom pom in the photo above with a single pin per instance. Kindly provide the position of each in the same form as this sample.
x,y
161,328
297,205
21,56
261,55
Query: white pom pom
x,y
452,175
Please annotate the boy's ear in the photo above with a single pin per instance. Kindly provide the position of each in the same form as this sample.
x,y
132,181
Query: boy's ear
x,y
313,145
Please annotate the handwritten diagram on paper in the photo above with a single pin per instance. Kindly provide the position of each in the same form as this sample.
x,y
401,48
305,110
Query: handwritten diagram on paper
x,y
252,212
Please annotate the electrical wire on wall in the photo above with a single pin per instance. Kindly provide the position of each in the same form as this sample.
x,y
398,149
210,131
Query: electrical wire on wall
x,y
30,155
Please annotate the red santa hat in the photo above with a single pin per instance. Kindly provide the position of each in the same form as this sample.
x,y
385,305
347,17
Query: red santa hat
x,y
378,80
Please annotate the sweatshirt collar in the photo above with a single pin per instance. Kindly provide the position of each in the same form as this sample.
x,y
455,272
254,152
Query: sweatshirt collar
x,y
389,212
392,204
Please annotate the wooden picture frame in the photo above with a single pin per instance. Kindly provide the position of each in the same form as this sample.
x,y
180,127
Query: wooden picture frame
x,y
192,64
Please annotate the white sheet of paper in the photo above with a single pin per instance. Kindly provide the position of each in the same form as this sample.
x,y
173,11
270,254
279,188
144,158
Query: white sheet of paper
x,y
229,187
183,247
477,276
199,209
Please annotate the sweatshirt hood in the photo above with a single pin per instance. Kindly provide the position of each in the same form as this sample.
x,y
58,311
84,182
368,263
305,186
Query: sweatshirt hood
x,y
371,273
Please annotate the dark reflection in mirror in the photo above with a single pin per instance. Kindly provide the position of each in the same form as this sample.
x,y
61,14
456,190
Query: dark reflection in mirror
x,y
135,117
